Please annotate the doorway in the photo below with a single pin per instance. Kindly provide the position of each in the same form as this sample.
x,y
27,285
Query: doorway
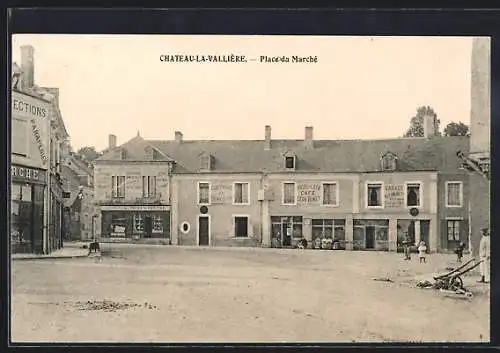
x,y
241,227
424,231
286,230
148,227
203,230
370,237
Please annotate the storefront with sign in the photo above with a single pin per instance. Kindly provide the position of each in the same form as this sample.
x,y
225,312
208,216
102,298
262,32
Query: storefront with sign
x,y
27,209
135,222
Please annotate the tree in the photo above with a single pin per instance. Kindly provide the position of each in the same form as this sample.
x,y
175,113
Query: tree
x,y
88,153
456,129
416,128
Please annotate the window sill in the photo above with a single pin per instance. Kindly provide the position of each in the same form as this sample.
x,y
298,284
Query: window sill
x,y
375,207
454,206
288,204
241,204
328,205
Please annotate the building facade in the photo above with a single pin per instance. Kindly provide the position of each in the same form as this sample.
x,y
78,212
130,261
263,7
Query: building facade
x,y
78,178
37,134
365,194
132,193
29,171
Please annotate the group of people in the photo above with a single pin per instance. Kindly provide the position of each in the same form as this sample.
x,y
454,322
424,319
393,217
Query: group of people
x,y
422,250
484,253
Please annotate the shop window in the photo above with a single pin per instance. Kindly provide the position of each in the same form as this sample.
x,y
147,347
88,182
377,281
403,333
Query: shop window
x,y
285,229
374,195
157,224
241,193
148,186
118,225
138,223
328,228
118,186
330,194
454,230
413,192
289,194
454,195
203,193
15,192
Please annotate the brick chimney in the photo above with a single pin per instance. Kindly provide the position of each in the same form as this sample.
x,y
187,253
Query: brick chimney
x,y
429,126
111,141
267,138
308,140
178,137
27,67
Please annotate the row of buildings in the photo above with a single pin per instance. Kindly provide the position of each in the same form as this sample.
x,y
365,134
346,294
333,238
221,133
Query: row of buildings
x,y
42,190
367,194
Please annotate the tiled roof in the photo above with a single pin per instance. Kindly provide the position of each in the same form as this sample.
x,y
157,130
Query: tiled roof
x,y
438,153
246,156
135,150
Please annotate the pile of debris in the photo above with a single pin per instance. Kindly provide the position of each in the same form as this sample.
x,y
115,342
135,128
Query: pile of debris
x,y
108,305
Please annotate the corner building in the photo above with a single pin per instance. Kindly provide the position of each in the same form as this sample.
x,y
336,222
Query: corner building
x,y
366,194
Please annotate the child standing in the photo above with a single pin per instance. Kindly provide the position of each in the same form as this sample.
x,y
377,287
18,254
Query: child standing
x,y
422,248
460,251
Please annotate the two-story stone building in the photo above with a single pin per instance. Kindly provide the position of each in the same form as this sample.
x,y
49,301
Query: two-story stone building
x,y
132,192
367,194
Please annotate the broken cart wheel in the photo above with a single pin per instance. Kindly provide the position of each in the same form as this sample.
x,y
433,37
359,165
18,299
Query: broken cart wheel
x,y
456,283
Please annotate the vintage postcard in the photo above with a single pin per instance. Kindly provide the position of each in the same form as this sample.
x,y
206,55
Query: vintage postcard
x,y
228,189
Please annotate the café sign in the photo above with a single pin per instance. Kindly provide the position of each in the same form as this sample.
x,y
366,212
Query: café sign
x,y
309,193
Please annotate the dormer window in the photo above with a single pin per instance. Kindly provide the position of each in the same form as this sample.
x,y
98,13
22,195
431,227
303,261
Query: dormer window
x,y
388,162
149,153
121,153
290,160
205,162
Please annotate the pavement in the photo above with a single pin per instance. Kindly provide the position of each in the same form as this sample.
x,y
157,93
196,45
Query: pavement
x,y
70,250
168,294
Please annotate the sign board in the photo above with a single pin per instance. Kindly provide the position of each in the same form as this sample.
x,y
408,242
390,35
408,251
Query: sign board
x,y
27,174
36,113
221,193
138,208
308,193
394,196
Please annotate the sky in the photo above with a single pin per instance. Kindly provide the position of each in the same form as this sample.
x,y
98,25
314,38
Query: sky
x,y
360,87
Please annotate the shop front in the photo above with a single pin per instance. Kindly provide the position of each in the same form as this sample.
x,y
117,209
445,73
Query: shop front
x,y
27,209
286,231
135,222
371,234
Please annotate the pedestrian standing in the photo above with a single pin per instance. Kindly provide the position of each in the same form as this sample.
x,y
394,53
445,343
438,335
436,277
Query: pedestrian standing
x,y
460,251
406,247
422,249
484,256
